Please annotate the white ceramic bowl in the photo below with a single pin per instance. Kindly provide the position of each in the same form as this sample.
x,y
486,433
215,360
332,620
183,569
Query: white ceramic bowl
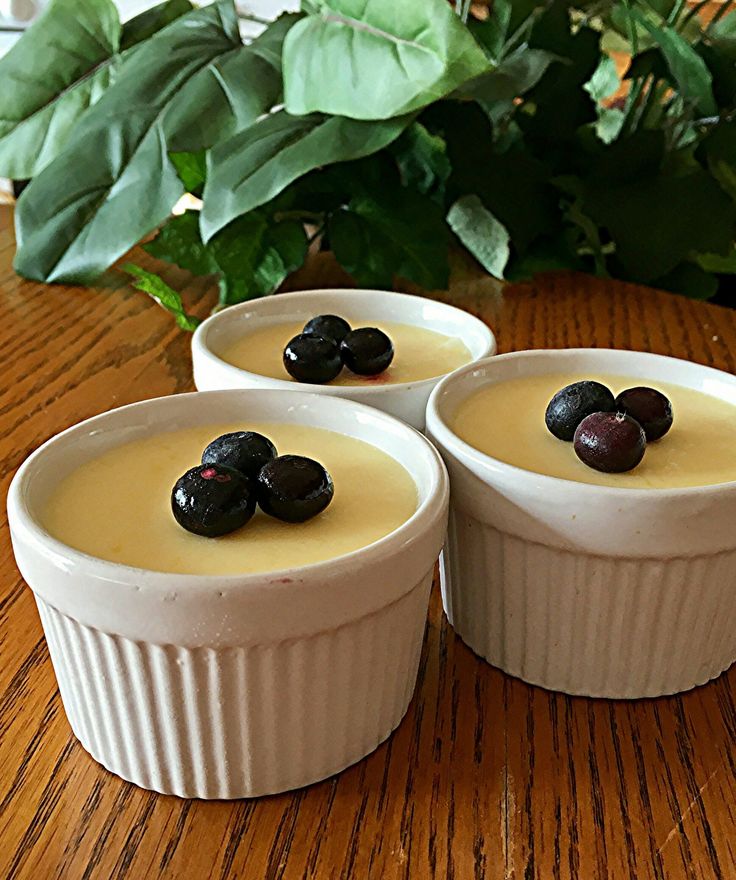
x,y
580,588
406,400
232,686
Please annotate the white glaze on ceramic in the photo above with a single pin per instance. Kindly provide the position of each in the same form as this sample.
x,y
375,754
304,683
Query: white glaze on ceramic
x,y
582,588
240,685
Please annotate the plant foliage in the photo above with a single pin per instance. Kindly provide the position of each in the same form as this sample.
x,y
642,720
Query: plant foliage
x,y
389,131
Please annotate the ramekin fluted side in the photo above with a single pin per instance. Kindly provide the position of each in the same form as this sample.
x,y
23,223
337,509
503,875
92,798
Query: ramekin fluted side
x,y
587,624
239,721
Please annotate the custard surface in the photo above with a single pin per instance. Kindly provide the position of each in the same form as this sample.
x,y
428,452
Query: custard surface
x,y
418,354
506,421
117,506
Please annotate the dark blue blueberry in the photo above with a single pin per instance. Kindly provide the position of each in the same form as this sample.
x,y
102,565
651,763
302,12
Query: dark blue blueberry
x,y
573,403
328,327
212,500
246,451
367,351
314,359
294,488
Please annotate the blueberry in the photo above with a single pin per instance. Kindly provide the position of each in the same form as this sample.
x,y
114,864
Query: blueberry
x,y
649,407
367,351
610,442
245,451
573,403
310,358
212,500
329,327
294,488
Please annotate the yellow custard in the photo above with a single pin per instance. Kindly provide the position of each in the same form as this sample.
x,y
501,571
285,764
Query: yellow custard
x,y
418,353
117,506
506,421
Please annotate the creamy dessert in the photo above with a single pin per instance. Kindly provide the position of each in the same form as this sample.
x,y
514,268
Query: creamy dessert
x,y
118,506
418,353
506,420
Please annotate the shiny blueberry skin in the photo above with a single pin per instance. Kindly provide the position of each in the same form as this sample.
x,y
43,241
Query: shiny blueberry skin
x,y
610,442
314,359
212,500
649,407
367,351
573,403
328,327
293,488
245,451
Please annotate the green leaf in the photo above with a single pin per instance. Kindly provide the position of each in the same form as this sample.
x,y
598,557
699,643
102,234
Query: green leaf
x,y
164,295
422,159
497,89
59,68
374,59
492,33
718,264
689,280
252,255
192,170
718,150
482,234
687,67
605,80
255,255
396,232
149,22
114,182
256,165
657,221
178,242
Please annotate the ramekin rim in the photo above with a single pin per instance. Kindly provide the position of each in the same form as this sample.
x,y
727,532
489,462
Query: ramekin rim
x,y
201,348
24,524
448,439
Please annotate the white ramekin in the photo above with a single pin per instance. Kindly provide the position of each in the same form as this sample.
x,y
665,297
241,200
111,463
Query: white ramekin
x,y
580,588
232,686
405,400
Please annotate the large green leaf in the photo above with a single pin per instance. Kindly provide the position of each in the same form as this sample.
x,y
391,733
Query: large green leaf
x,y
149,22
482,234
257,164
114,181
61,66
373,59
693,78
393,232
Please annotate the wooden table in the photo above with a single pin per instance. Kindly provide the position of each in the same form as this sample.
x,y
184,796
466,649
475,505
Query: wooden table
x,y
486,777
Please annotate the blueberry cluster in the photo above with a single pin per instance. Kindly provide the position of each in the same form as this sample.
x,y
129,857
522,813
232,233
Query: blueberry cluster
x,y
609,433
240,470
328,343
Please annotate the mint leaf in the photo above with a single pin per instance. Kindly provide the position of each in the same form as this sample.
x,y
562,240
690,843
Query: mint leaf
x,y
398,232
482,234
164,295
192,170
422,159
179,242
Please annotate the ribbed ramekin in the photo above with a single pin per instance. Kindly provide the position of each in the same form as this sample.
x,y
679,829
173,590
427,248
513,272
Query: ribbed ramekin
x,y
232,686
405,400
580,588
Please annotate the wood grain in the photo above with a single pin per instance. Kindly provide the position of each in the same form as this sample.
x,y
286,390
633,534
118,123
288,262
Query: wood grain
x,y
485,778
